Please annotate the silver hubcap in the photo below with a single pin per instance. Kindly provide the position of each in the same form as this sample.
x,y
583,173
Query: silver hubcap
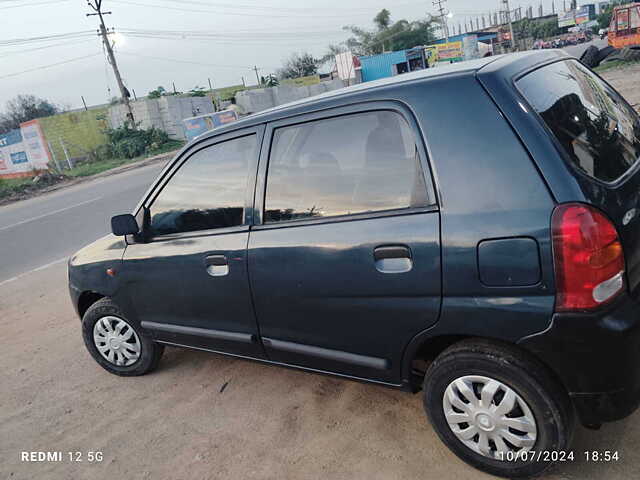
x,y
489,417
116,341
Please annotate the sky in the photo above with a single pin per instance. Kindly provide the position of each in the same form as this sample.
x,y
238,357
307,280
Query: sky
x,y
249,33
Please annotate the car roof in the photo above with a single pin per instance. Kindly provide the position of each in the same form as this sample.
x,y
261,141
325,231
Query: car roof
x,y
502,64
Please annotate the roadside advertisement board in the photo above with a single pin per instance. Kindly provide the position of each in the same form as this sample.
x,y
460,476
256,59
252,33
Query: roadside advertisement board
x,y
196,126
452,51
574,17
23,151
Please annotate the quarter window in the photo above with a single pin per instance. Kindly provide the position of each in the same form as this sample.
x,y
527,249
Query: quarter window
x,y
358,163
597,129
208,191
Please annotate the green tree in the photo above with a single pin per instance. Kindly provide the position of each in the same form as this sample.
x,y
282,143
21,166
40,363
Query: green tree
x,y
299,65
157,93
269,81
197,92
604,19
23,108
332,51
389,36
383,19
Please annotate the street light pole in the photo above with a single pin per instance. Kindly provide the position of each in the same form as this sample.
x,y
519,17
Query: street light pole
x,y
443,17
507,12
96,6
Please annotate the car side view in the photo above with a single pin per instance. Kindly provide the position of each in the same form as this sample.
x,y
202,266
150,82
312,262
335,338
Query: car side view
x,y
471,232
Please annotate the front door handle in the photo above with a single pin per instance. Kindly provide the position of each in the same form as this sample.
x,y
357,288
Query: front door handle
x,y
393,259
216,265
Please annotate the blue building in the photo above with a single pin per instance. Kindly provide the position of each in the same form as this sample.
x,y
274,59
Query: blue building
x,y
392,63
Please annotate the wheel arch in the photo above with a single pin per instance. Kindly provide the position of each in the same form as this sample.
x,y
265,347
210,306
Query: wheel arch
x,y
426,346
86,299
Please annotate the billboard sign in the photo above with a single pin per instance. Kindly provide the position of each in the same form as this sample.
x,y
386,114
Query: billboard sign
x,y
11,138
452,51
18,157
23,151
575,17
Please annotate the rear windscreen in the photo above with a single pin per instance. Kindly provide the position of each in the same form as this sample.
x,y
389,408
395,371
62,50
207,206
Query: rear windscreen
x,y
597,129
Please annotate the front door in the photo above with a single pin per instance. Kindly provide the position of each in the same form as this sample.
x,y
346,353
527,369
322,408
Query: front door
x,y
345,263
188,283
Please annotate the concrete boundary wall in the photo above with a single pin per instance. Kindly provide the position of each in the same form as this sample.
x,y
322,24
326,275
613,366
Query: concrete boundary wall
x,y
254,101
164,113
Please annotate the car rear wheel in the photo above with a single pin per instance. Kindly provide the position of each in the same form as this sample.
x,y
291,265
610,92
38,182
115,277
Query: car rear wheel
x,y
117,344
496,409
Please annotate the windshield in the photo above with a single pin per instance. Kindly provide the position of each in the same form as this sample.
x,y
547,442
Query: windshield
x,y
597,129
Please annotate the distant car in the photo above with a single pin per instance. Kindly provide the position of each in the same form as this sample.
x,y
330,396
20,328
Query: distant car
x,y
472,231
603,33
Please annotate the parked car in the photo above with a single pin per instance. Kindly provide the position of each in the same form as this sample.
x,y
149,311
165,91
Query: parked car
x,y
471,231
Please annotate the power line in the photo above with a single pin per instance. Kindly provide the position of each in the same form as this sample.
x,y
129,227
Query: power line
x,y
62,44
175,60
47,38
33,4
218,12
15,74
368,10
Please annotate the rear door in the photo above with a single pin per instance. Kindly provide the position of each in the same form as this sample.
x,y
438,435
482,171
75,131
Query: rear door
x,y
598,134
344,261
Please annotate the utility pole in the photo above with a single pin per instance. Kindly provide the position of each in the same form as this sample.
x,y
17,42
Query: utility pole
x,y
255,69
443,17
96,6
507,13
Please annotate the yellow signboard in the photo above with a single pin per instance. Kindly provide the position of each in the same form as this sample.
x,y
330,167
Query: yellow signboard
x,y
450,51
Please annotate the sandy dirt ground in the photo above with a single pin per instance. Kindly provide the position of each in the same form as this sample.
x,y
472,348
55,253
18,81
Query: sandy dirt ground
x,y
627,81
179,423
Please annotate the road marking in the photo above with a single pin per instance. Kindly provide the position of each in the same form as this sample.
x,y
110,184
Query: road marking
x,y
37,269
47,214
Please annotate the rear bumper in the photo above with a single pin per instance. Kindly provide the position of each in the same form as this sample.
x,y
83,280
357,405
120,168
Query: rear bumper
x,y
597,358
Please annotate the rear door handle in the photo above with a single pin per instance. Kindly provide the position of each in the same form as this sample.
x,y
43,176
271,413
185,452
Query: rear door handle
x,y
393,259
216,265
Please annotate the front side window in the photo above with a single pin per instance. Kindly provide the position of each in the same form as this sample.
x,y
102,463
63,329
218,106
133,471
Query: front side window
x,y
208,191
597,129
365,162
635,17
623,19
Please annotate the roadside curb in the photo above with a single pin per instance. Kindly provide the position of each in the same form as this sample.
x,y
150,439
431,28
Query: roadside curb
x,y
75,181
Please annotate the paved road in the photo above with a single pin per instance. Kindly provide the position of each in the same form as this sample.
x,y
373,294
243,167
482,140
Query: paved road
x,y
576,50
36,232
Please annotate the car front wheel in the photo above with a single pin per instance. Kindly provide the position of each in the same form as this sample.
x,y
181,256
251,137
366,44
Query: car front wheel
x,y
118,344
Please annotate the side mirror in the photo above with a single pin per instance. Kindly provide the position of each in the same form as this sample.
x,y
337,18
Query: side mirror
x,y
124,225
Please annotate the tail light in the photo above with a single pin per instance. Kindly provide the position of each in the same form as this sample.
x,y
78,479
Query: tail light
x,y
588,257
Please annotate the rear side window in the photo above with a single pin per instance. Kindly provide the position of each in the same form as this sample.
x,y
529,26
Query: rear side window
x,y
597,129
365,162
208,191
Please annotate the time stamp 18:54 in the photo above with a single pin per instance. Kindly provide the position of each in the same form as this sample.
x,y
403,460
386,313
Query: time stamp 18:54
x,y
559,456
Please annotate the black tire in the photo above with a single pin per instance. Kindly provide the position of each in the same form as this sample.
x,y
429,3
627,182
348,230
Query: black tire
x,y
150,351
545,397
606,52
630,54
590,57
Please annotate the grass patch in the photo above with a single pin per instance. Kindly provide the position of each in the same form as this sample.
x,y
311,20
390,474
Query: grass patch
x,y
9,186
24,186
603,67
92,168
